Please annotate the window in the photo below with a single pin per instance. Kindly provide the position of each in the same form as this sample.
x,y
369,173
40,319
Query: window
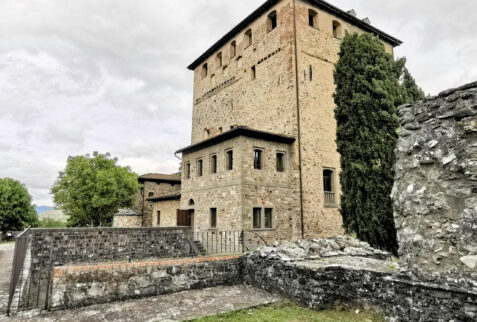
x,y
257,217
313,18
233,49
272,21
151,194
268,217
187,170
213,218
280,162
311,73
262,218
200,168
229,162
337,29
257,159
204,71
158,219
213,163
253,73
328,187
248,38
218,60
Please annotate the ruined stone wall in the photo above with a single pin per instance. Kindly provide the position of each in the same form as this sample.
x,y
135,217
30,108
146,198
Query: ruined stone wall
x,y
435,191
76,286
168,209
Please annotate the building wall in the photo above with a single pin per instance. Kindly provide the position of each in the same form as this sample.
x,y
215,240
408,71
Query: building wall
x,y
145,206
168,209
234,193
127,221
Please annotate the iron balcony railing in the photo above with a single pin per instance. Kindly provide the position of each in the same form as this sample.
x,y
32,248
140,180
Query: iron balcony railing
x,y
330,198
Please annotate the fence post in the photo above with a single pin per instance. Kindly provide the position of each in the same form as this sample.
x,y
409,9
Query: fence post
x,y
243,241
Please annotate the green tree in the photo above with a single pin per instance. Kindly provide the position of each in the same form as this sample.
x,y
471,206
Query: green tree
x,y
370,85
92,188
16,210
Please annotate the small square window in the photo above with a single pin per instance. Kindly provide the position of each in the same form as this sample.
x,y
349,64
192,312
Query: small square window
x,y
257,218
151,194
213,218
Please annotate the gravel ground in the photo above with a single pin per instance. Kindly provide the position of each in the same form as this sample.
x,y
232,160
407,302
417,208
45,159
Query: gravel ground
x,y
172,307
6,258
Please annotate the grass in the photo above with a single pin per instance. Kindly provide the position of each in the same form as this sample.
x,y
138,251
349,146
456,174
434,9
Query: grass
x,y
287,312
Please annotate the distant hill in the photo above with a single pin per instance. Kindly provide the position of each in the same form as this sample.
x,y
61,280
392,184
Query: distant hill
x,y
42,209
55,214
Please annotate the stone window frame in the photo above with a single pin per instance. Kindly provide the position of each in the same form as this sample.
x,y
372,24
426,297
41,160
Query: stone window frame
x,y
204,71
330,197
272,21
187,171
313,20
226,161
216,163
219,59
285,161
216,218
233,49
248,38
200,167
158,218
262,218
337,29
262,151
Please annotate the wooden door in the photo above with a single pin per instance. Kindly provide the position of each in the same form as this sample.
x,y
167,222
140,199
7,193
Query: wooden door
x,y
184,218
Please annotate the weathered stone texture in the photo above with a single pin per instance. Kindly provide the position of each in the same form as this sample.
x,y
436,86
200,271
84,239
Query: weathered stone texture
x,y
88,245
85,285
324,273
168,216
435,191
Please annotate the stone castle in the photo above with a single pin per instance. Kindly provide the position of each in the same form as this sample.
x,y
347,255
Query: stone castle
x,y
263,155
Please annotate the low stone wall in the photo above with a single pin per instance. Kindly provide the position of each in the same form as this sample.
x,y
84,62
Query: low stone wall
x,y
54,247
350,275
81,285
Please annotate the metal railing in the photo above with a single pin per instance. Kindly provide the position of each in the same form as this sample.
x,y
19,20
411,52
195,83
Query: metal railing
x,y
330,198
21,247
67,248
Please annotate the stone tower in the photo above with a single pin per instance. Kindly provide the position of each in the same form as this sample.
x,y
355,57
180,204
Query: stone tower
x,y
271,75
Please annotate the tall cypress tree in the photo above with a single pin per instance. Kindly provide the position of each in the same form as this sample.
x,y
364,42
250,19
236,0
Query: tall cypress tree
x,y
369,88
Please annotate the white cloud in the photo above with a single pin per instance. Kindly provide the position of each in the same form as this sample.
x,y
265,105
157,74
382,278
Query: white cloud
x,y
110,76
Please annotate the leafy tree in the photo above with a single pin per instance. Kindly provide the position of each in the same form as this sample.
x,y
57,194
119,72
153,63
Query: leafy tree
x,y
51,223
92,188
370,85
16,210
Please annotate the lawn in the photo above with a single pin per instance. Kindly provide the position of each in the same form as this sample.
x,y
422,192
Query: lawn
x,y
287,312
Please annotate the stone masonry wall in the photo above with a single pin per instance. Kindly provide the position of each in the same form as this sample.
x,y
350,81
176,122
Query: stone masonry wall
x,y
322,274
435,191
126,221
88,245
75,286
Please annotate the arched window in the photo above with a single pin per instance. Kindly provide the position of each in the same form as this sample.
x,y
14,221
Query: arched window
x,y
313,18
233,49
191,202
337,30
205,70
248,38
218,60
272,21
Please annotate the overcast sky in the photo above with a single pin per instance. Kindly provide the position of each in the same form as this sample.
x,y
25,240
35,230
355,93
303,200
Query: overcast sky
x,y
110,76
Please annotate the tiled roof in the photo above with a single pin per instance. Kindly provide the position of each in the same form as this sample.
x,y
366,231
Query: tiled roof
x,y
238,131
158,177
323,5
174,195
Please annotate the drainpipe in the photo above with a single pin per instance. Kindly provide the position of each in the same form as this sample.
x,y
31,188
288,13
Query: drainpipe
x,y
298,122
